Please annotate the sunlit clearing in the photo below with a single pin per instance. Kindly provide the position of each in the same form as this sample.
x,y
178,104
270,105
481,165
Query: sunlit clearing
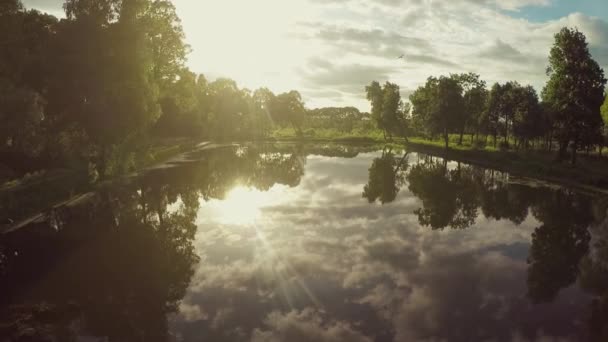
x,y
242,206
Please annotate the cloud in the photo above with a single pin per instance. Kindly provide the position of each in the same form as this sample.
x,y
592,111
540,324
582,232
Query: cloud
x,y
330,49
504,52
346,78
374,42
305,326
324,265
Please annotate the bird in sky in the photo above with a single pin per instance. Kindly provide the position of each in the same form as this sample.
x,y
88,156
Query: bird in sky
x,y
402,56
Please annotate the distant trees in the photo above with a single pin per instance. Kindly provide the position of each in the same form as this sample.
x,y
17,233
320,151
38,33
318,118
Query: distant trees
x,y
387,108
342,119
574,93
569,112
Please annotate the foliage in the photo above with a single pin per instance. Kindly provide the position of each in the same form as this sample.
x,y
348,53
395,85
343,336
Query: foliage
x,y
574,92
438,106
387,108
288,109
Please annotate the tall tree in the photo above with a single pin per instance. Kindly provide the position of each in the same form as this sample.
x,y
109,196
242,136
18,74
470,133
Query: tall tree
x,y
438,106
375,95
387,108
475,98
167,40
103,78
527,121
288,108
24,39
604,111
575,92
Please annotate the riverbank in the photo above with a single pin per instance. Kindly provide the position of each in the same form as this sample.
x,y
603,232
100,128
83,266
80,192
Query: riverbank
x,y
35,192
590,173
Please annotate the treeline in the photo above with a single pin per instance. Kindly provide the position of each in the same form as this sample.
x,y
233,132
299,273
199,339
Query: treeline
x,y
92,88
568,114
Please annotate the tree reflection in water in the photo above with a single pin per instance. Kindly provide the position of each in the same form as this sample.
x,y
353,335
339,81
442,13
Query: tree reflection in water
x,y
560,253
116,263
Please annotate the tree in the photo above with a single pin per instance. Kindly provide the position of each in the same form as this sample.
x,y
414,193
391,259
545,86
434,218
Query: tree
x,y
227,108
182,114
24,38
438,106
604,111
288,108
103,78
387,108
527,120
167,40
475,98
575,92
502,105
375,95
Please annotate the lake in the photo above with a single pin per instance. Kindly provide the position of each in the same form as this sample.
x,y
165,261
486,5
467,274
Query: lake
x,y
311,243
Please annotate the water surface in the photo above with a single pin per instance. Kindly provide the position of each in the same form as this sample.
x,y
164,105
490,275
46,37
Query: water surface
x,y
312,243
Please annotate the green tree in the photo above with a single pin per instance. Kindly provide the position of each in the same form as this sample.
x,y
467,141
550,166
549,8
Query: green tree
x,y
575,92
528,122
167,40
604,111
375,95
438,106
475,97
288,109
387,108
227,108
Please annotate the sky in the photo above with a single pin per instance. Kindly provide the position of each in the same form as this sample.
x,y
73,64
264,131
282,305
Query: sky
x,y
329,50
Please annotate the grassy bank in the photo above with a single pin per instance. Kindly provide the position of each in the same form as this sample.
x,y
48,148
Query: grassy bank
x,y
590,173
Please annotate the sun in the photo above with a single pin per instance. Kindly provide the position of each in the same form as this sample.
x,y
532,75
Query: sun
x,y
242,206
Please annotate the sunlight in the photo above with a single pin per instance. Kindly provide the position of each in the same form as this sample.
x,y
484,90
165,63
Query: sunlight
x,y
242,206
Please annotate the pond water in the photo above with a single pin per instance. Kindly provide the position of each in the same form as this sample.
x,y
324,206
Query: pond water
x,y
311,243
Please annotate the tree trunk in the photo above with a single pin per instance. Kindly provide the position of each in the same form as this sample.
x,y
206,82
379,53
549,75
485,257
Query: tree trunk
x,y
573,159
461,135
446,138
562,151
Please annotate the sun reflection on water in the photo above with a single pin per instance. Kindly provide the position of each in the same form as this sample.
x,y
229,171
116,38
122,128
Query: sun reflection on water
x,y
242,206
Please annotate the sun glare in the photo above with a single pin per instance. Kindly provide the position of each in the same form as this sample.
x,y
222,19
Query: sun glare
x,y
242,206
